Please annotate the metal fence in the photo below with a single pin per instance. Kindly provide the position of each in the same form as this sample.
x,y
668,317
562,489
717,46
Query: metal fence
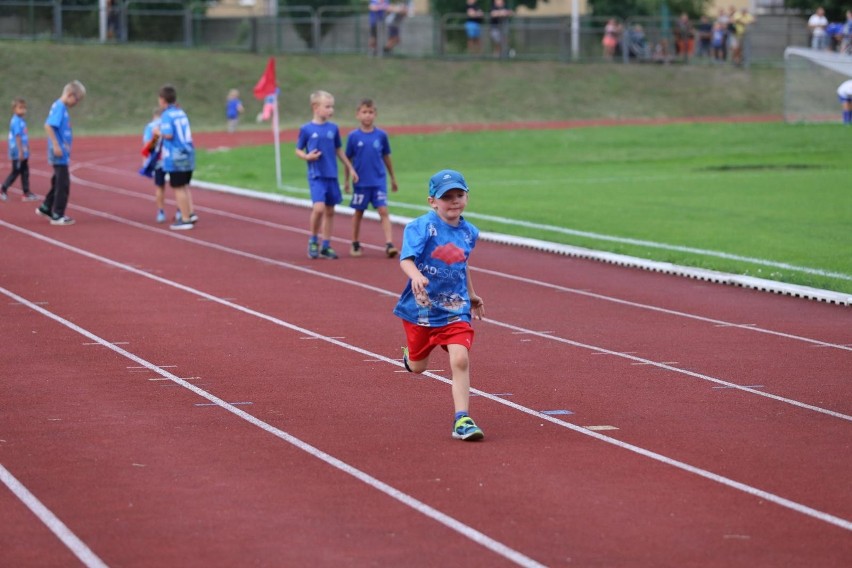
x,y
345,30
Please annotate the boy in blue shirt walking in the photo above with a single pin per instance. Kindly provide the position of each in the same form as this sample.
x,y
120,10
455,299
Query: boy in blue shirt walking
x,y
318,144
438,301
368,148
178,155
59,138
19,152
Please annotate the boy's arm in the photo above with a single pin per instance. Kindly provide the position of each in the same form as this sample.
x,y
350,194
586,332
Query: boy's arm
x,y
418,281
51,133
477,306
389,167
342,157
311,156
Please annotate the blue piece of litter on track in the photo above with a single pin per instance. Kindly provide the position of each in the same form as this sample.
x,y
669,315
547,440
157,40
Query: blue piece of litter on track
x,y
556,412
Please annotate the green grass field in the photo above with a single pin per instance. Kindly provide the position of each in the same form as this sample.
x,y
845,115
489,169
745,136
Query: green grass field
x,y
771,192
704,195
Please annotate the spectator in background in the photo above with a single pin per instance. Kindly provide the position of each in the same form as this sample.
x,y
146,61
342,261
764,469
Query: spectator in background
x,y
396,13
705,36
683,36
473,26
233,109
498,16
718,40
846,41
817,24
377,15
612,32
724,20
743,20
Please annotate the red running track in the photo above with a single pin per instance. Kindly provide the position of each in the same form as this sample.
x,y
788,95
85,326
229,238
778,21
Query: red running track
x,y
214,398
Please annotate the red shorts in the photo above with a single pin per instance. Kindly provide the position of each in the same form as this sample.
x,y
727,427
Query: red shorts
x,y
422,340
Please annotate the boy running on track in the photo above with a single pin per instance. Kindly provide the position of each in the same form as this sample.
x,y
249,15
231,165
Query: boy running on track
x,y
369,150
438,301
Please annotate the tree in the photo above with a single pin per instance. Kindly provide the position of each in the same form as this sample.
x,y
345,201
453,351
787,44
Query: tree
x,y
632,8
835,10
305,30
441,7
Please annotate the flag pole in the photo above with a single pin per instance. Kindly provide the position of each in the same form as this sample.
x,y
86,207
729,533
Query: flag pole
x,y
276,134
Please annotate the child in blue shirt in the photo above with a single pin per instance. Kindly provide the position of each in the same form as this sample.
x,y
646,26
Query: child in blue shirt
x,y
19,152
368,148
318,144
152,150
233,109
178,155
438,301
59,138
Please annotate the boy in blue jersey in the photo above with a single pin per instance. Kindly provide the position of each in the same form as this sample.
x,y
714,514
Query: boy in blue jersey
x,y
178,155
368,148
59,138
19,152
152,146
318,144
438,301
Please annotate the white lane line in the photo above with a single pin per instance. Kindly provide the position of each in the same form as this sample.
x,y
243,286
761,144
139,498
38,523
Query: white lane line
x,y
350,282
410,501
278,226
51,521
422,508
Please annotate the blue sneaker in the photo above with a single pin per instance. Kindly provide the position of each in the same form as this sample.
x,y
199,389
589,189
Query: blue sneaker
x,y
313,249
161,216
328,252
467,430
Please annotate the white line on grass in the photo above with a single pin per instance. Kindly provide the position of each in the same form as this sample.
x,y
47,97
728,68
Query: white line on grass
x,y
390,491
51,521
464,530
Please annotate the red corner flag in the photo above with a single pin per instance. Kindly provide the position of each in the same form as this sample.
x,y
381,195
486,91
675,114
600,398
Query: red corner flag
x,y
266,85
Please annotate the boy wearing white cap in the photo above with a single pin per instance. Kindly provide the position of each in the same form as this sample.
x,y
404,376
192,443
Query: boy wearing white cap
x,y
438,302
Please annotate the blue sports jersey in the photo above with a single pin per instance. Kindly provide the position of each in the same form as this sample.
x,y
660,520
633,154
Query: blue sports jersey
x,y
440,252
232,108
59,119
325,138
366,151
18,127
178,153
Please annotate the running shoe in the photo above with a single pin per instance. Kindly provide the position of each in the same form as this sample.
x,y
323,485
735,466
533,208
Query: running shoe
x,y
62,221
161,216
40,210
3,196
313,249
391,251
467,430
181,226
355,249
30,196
328,252
405,359
193,218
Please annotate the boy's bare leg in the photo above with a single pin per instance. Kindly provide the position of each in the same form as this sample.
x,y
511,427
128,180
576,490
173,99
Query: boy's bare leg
x,y
460,366
357,216
386,224
160,197
316,218
327,222
183,203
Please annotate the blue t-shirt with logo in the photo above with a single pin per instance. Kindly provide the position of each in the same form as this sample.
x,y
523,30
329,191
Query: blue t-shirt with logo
x,y
59,119
324,137
18,128
178,151
440,252
366,151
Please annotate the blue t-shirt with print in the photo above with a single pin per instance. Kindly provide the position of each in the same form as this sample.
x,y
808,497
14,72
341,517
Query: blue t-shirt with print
x,y
366,151
59,119
18,128
324,137
440,252
178,151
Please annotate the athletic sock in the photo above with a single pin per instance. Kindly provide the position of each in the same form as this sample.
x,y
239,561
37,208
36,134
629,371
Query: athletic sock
x,y
847,117
460,414
314,239
326,244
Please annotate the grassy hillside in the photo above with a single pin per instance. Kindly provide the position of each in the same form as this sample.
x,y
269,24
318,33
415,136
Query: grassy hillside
x,y
123,81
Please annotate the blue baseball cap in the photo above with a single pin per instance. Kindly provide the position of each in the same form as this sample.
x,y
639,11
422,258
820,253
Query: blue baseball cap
x,y
444,181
